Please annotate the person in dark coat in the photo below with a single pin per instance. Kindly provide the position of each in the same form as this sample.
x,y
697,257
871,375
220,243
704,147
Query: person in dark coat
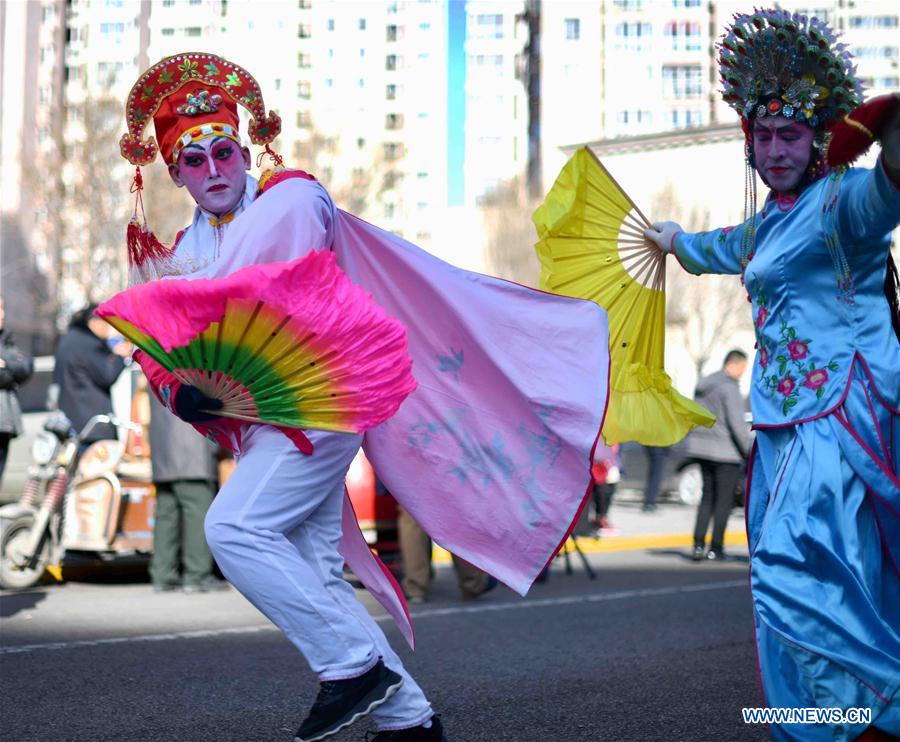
x,y
15,368
185,475
720,451
86,368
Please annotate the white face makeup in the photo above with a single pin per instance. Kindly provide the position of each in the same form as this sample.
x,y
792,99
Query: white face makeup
x,y
782,148
213,172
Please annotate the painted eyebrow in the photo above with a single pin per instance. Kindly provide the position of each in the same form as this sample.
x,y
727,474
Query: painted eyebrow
x,y
216,140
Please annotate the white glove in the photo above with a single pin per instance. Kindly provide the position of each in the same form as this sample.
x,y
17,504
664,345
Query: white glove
x,y
662,234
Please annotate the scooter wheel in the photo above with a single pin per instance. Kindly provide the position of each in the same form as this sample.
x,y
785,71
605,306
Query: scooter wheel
x,y
16,572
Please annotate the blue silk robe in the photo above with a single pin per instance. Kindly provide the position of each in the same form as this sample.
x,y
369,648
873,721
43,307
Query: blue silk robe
x,y
823,510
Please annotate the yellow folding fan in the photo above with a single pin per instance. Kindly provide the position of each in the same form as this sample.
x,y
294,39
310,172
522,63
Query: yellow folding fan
x,y
592,246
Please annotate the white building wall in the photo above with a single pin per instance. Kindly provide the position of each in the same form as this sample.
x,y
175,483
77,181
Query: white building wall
x,y
496,126
572,79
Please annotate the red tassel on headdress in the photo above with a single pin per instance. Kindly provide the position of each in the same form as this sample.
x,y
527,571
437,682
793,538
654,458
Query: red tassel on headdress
x,y
855,133
148,258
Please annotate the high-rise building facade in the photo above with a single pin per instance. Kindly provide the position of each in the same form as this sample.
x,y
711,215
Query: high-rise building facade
x,y
496,105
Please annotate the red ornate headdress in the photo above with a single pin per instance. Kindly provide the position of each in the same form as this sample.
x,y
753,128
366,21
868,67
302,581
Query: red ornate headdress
x,y
189,97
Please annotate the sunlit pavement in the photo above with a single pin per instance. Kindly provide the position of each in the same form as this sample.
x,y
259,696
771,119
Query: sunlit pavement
x,y
657,647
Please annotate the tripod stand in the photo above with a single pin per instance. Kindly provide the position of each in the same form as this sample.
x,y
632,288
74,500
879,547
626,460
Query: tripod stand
x,y
568,562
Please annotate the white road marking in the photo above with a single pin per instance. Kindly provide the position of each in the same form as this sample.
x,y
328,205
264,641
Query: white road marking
x,y
418,615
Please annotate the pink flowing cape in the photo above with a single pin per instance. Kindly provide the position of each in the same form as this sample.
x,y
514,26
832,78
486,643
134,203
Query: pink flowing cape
x,y
492,452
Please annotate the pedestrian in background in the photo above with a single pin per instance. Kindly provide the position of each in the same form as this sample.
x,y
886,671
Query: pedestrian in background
x,y
86,368
656,465
185,476
720,450
415,553
15,368
606,473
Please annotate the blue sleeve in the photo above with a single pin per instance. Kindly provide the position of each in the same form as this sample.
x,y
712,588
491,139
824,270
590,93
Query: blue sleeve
x,y
868,208
718,251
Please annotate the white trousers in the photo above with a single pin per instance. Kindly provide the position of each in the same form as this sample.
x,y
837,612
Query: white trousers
x,y
274,530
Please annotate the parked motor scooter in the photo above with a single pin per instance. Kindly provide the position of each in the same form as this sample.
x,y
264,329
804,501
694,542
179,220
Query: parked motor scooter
x,y
79,503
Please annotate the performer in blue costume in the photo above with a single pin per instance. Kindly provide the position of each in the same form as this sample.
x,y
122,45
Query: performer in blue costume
x,y
823,514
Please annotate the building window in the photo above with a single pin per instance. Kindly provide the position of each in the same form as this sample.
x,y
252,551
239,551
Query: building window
x,y
682,81
362,52
303,89
873,21
168,32
683,35
488,26
362,24
633,36
685,118
878,52
331,24
629,4
110,28
303,31
635,117
392,33
392,62
304,61
193,31
890,82
393,151
490,62
361,83
393,121
304,4
390,92
686,3
573,29
360,143
304,119
168,3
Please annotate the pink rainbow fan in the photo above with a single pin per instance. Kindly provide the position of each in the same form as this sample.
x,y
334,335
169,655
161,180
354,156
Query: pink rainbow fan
x,y
292,344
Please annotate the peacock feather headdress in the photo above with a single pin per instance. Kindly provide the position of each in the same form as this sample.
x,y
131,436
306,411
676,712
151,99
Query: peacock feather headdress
x,y
773,62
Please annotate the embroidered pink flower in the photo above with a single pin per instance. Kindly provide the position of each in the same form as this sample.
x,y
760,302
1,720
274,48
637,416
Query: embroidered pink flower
x,y
761,316
763,357
797,350
815,379
786,385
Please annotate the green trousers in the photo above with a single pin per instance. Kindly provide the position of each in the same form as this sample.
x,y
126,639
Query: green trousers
x,y
178,537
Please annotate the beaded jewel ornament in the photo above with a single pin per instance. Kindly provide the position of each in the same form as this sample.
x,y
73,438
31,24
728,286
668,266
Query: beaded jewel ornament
x,y
773,62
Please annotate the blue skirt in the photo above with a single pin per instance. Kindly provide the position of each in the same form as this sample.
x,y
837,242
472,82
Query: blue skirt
x,y
823,524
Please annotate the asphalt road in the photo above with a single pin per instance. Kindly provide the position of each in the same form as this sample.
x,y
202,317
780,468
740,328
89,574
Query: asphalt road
x,y
657,648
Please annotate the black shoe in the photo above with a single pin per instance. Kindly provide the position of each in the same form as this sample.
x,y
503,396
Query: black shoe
x,y
649,508
434,733
209,585
341,702
715,555
697,554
